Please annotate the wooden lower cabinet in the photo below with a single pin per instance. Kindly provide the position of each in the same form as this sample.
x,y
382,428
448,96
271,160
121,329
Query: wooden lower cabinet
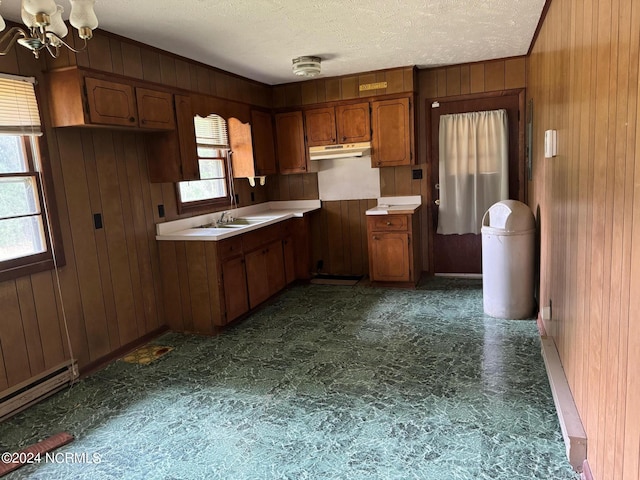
x,y
209,284
394,248
236,297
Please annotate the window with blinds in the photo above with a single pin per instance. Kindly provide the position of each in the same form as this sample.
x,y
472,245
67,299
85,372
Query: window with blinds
x,y
212,142
24,237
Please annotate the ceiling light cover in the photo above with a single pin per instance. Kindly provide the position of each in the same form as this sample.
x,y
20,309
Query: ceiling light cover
x,y
306,66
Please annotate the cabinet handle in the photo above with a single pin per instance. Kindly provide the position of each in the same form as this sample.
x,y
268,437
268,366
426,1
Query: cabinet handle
x,y
378,163
344,139
132,119
388,224
303,168
375,238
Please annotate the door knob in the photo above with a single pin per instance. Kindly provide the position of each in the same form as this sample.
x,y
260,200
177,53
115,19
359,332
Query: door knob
x,y
437,202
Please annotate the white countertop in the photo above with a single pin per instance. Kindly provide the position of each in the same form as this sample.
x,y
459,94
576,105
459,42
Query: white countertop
x,y
390,205
263,214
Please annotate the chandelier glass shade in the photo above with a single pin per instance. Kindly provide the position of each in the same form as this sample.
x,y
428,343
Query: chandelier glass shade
x,y
45,28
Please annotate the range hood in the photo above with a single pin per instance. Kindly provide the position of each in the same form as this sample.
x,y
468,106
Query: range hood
x,y
340,151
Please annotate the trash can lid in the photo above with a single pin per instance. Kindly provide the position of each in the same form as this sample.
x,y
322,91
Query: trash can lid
x,y
510,216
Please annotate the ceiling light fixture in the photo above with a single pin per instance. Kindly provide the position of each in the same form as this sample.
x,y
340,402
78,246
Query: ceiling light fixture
x,y
306,66
46,28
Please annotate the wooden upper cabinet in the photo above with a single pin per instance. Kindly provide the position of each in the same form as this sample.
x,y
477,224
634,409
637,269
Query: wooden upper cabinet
x,y
320,126
392,133
291,151
172,156
252,146
111,103
82,97
264,148
353,123
155,109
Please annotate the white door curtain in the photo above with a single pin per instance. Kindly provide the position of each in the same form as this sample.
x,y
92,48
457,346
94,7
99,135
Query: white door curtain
x,y
473,168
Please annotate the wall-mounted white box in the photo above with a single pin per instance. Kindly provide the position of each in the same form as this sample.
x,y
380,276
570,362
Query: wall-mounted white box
x,y
550,143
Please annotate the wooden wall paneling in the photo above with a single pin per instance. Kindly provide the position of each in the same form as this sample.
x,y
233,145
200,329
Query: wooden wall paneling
x,y
9,62
441,75
169,200
403,180
202,79
124,146
99,49
193,74
395,81
222,84
51,335
150,66
345,243
84,244
139,233
310,186
82,57
131,60
296,187
4,383
387,181
215,301
355,217
14,347
335,259
115,46
68,275
465,79
113,221
150,211
234,88
284,187
514,73
494,76
352,89
183,281
198,286
410,79
309,93
278,97
183,74
476,71
321,90
293,94
168,71
332,89
30,324
453,76
102,249
171,289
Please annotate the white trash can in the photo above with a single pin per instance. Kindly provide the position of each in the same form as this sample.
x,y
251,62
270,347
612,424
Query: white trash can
x,y
508,246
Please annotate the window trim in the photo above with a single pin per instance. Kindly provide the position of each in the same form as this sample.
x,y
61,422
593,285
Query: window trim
x,y
39,167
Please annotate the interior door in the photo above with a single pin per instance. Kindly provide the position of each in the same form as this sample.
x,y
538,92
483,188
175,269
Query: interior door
x,y
463,253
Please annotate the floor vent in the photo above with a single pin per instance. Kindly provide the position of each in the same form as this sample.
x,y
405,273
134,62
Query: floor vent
x,y
575,438
31,391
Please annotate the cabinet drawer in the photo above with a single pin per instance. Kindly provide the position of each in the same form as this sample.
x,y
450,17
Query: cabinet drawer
x,y
389,222
229,248
260,237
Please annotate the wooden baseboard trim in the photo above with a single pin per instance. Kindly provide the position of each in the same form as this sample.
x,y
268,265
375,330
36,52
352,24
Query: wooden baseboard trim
x,y
573,432
586,471
540,323
120,352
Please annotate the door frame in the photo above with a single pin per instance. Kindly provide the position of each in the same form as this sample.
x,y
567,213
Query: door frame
x,y
522,179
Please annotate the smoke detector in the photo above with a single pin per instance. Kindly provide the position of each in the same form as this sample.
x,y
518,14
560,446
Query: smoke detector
x,y
306,66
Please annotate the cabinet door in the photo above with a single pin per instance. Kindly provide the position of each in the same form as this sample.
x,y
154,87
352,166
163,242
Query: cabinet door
x,y
292,155
241,145
391,142
235,288
289,259
274,261
390,257
353,123
155,109
111,103
186,130
257,280
264,149
320,124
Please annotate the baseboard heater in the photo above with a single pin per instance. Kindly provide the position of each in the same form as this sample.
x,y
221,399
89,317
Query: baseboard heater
x,y
37,388
575,438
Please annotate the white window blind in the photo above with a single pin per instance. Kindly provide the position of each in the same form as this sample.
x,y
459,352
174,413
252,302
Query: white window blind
x,y
19,113
211,131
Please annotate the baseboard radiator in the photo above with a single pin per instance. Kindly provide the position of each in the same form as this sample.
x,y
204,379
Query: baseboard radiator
x,y
37,388
575,438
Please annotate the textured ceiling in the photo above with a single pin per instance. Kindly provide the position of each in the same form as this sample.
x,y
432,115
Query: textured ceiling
x,y
258,39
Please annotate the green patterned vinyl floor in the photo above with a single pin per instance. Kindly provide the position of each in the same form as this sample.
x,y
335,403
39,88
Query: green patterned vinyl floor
x,y
324,382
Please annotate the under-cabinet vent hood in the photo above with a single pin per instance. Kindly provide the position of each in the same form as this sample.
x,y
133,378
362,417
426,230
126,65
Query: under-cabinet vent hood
x,y
340,151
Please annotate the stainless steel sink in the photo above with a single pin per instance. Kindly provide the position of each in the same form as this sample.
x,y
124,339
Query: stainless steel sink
x,y
236,223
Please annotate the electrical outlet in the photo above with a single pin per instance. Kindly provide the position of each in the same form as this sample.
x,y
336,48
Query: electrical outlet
x,y
97,221
546,313
417,174
161,210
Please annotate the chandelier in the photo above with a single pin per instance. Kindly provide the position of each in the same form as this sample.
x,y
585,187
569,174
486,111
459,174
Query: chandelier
x,y
45,28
